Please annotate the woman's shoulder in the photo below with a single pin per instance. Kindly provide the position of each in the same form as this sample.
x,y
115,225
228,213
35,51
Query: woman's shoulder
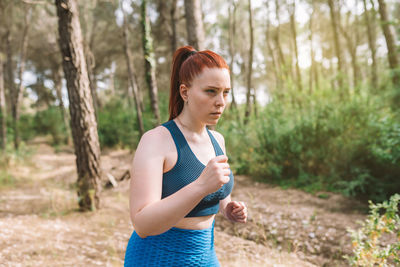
x,y
155,136
156,140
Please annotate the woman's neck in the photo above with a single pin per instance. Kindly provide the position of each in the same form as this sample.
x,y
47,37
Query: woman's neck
x,y
190,124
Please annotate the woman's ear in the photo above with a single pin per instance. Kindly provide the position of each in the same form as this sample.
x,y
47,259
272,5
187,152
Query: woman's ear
x,y
183,90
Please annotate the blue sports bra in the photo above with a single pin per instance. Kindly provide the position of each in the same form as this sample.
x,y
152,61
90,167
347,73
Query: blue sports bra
x,y
187,169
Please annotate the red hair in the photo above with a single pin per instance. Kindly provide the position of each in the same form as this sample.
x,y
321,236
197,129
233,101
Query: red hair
x,y
187,64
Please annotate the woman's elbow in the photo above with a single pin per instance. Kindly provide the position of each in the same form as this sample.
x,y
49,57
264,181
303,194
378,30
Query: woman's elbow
x,y
137,227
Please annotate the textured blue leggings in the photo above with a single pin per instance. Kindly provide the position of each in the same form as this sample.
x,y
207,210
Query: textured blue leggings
x,y
176,247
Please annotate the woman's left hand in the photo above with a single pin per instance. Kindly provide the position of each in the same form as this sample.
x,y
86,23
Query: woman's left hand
x,y
236,211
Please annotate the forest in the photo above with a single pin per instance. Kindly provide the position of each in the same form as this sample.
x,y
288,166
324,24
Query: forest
x,y
314,103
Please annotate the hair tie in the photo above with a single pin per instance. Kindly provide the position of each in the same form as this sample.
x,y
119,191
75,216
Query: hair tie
x,y
192,52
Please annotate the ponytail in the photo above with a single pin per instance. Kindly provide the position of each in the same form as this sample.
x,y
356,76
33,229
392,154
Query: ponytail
x,y
188,63
175,99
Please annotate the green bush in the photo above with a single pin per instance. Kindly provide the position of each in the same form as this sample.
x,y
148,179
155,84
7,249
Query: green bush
x,y
50,121
117,125
321,142
368,246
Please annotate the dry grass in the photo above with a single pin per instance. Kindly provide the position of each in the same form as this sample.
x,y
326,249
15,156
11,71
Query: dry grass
x,y
40,224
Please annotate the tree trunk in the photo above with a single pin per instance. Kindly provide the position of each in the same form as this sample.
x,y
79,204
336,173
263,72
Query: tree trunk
x,y
83,121
88,37
3,110
249,66
270,52
334,22
231,36
57,78
312,54
194,24
390,42
10,68
17,96
296,52
372,46
352,47
150,62
283,66
174,21
131,76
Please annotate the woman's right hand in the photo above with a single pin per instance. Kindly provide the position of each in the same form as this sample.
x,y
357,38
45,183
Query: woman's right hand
x,y
215,174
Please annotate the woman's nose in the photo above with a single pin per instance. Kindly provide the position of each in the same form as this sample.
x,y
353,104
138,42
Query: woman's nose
x,y
220,102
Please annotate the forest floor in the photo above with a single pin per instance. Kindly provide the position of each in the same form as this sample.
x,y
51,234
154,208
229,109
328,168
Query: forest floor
x,y
40,224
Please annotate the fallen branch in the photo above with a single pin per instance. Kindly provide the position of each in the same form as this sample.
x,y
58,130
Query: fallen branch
x,y
112,182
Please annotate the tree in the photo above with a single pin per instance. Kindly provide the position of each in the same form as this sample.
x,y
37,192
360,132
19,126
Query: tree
x,y
194,24
57,78
249,65
3,110
150,62
314,68
88,37
131,74
284,67
371,44
292,10
334,22
16,92
352,44
231,36
83,121
390,42
270,50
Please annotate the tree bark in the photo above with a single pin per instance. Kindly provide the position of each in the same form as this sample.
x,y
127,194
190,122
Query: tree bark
x,y
17,95
270,51
352,47
296,52
249,66
194,24
10,67
283,66
174,21
334,23
131,76
150,62
231,36
3,110
313,68
390,42
83,121
372,46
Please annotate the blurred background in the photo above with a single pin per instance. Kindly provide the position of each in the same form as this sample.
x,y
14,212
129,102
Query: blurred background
x,y
315,101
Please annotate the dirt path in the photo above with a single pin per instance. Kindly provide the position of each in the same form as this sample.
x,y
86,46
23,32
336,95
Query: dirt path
x,y
40,225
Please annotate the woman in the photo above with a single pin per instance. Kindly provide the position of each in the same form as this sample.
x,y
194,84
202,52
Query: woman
x,y
180,177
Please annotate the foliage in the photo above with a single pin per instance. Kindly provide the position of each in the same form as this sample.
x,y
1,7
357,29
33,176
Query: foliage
x,y
368,249
49,121
117,125
321,142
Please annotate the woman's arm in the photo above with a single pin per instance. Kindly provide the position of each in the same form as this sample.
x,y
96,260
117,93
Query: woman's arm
x,y
235,211
152,215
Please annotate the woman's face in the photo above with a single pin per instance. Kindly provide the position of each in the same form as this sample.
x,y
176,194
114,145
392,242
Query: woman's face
x,y
206,97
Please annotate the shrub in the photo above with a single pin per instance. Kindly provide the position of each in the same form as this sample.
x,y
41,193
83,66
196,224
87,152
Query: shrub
x,y
50,121
117,125
368,248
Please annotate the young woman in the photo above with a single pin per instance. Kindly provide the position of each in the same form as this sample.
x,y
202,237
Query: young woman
x,y
180,175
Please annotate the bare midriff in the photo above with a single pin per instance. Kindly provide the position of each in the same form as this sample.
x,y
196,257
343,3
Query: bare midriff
x,y
196,223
